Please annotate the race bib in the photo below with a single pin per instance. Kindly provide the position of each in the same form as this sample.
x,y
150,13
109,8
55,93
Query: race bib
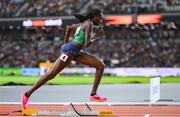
x,y
64,57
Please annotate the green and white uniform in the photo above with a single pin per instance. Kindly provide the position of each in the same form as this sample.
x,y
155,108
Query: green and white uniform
x,y
79,36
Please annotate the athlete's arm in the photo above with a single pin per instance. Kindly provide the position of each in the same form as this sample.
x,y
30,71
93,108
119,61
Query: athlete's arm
x,y
69,29
88,29
100,32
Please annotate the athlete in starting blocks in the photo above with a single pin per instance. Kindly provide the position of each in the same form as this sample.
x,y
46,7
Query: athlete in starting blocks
x,y
83,37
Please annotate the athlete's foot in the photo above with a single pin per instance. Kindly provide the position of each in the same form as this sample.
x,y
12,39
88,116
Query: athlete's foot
x,y
97,98
24,100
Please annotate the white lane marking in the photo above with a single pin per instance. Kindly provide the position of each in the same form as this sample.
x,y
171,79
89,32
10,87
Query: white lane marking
x,y
7,87
97,103
147,115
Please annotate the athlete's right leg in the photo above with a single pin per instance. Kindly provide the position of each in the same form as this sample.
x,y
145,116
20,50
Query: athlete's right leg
x,y
57,67
93,61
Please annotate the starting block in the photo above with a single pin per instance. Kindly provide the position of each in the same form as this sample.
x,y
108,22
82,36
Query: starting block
x,y
71,112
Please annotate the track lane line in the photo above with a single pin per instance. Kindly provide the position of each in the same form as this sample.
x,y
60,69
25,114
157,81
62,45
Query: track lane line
x,y
147,115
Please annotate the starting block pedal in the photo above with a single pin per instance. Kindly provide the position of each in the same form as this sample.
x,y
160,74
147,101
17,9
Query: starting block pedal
x,y
108,113
34,112
29,111
71,112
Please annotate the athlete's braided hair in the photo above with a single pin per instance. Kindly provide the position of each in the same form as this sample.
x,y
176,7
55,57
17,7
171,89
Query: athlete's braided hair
x,y
93,13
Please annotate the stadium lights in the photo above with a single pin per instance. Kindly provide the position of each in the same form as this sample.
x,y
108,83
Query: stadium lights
x,y
148,19
118,20
40,23
128,19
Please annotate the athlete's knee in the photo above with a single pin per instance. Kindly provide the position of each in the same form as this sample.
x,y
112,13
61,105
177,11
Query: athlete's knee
x,y
101,65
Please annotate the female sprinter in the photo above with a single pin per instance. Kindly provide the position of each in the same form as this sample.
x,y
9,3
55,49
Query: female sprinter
x,y
73,51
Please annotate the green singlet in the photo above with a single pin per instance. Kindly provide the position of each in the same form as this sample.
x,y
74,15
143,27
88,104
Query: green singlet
x,y
79,36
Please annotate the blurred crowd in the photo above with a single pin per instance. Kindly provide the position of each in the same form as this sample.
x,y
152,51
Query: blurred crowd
x,y
155,45
28,47
136,6
32,8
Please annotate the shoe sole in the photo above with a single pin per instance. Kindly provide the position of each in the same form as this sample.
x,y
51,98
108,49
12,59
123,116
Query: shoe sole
x,y
97,100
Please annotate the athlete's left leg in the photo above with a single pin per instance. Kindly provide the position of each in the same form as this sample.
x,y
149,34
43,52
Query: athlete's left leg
x,y
90,60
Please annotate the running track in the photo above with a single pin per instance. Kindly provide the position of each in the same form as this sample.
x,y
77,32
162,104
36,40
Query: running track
x,y
121,111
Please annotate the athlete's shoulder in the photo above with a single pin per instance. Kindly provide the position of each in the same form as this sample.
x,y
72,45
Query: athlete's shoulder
x,y
74,26
87,24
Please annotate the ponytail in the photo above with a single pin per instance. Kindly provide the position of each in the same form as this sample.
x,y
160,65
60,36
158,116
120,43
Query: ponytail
x,y
93,13
81,17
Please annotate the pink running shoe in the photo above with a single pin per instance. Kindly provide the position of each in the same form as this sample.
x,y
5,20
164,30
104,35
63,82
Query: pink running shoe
x,y
24,101
97,98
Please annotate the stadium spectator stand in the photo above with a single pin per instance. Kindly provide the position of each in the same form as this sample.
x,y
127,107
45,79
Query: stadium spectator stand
x,y
155,45
36,8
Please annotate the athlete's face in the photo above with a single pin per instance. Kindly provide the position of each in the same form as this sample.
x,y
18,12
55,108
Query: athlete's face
x,y
97,20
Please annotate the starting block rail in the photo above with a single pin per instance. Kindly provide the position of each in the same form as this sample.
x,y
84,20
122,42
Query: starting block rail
x,y
73,111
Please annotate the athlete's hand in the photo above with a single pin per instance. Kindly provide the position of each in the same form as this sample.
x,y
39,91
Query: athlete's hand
x,y
100,32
